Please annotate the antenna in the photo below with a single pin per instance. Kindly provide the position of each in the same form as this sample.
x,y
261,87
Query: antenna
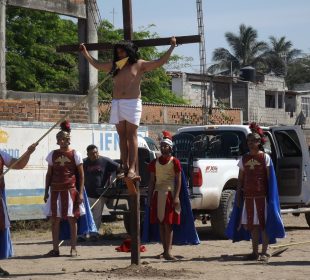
x,y
203,62
95,13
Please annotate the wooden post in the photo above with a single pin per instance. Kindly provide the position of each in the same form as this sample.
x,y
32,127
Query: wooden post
x,y
127,20
135,221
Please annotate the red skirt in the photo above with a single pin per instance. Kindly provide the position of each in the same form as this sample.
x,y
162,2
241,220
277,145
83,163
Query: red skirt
x,y
64,198
171,216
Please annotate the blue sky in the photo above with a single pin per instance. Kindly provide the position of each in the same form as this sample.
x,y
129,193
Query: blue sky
x,y
178,17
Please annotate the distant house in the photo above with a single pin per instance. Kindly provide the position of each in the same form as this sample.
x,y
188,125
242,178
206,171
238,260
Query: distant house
x,y
263,98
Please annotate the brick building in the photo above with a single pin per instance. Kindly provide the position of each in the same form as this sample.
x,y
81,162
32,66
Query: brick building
x,y
50,107
45,107
172,114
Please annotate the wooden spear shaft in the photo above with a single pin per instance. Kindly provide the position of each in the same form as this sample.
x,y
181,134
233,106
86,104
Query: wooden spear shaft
x,y
289,244
90,92
119,65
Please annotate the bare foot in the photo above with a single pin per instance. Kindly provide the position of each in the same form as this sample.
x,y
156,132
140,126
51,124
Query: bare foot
x,y
52,254
160,256
133,176
73,252
169,257
251,257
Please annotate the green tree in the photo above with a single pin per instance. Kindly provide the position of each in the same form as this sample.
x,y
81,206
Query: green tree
x,y
32,61
279,55
245,50
298,71
34,65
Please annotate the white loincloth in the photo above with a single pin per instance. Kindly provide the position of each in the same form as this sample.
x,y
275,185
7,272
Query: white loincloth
x,y
244,217
129,110
47,210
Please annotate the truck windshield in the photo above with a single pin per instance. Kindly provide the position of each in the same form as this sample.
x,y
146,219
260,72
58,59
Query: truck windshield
x,y
217,144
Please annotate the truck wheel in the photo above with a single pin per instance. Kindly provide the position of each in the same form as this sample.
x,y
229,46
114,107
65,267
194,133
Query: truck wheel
x,y
307,216
127,222
220,216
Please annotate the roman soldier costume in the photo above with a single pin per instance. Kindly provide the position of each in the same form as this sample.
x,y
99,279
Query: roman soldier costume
x,y
63,183
255,187
259,196
162,208
63,200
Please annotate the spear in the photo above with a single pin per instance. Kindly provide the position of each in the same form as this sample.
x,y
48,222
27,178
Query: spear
x,y
119,65
279,249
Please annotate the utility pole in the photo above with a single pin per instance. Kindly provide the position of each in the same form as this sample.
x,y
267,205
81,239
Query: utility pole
x,y
283,55
113,15
203,62
2,49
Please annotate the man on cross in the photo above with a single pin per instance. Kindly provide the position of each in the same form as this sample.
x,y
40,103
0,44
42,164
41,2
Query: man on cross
x,y
126,106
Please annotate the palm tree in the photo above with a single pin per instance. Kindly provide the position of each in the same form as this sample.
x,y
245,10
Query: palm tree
x,y
279,55
245,51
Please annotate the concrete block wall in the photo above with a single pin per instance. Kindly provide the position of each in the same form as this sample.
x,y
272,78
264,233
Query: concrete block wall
x,y
257,110
240,98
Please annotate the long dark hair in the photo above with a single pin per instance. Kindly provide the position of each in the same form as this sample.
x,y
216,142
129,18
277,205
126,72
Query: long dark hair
x,y
132,53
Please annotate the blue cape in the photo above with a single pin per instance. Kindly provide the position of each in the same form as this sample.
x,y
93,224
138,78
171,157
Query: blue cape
x,y
274,224
85,223
183,234
6,248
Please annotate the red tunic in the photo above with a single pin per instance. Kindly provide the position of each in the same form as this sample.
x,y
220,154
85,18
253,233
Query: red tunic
x,y
2,217
171,216
63,182
255,187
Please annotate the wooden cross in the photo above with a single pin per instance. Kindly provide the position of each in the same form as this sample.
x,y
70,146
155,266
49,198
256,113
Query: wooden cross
x,y
134,200
128,36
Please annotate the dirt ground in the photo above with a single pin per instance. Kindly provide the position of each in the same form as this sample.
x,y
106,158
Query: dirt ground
x,y
212,259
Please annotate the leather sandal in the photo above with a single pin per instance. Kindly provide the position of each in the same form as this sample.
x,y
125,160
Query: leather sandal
x,y
52,254
251,257
264,257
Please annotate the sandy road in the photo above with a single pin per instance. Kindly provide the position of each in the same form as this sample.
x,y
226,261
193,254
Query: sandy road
x,y
212,259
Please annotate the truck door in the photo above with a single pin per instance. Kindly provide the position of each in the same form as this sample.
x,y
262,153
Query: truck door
x,y
289,161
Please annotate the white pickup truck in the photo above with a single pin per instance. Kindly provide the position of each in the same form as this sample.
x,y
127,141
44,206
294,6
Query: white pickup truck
x,y
209,155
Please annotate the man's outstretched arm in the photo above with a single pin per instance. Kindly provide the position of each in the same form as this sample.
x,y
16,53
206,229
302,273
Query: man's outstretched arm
x,y
151,65
106,67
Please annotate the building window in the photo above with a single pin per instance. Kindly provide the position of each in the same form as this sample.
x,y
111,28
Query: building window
x,y
280,101
270,100
196,88
305,106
